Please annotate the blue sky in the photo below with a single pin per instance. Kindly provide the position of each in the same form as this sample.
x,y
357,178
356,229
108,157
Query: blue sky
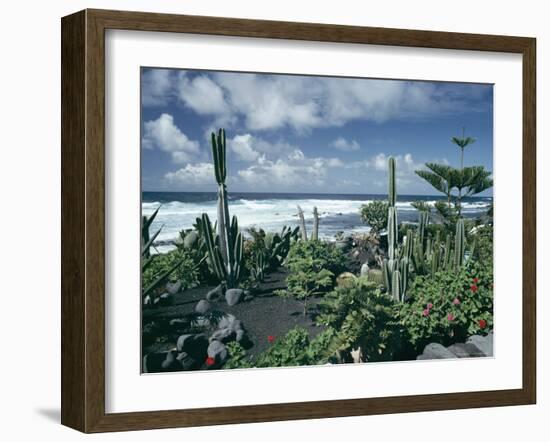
x,y
288,133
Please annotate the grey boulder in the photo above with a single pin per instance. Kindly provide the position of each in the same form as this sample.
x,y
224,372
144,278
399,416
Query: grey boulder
x,y
465,351
202,306
483,343
173,287
435,351
365,269
217,351
234,296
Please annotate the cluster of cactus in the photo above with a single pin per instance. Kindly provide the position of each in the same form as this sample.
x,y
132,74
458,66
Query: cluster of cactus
x,y
259,266
395,268
224,250
278,245
303,229
431,255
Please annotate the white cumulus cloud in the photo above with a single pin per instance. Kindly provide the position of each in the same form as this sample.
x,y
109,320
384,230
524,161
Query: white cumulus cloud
x,y
163,134
192,175
344,145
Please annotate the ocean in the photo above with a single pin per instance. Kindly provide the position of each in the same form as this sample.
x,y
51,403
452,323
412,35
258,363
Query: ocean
x,y
272,211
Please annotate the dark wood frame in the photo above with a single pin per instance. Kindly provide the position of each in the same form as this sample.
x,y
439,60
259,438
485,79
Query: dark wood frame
x,y
83,216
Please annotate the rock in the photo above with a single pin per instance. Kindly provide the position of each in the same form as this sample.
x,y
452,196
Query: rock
x,y
234,296
152,362
214,294
435,351
177,323
190,239
226,321
187,362
483,343
465,351
202,306
149,333
224,335
345,279
194,345
164,299
240,335
218,351
170,363
365,269
173,287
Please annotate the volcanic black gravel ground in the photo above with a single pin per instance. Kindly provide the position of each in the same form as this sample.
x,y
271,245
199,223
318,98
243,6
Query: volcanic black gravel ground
x,y
263,315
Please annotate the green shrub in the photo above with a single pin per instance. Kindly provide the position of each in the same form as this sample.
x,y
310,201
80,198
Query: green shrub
x,y
186,272
323,255
313,266
361,316
293,349
449,306
483,237
375,214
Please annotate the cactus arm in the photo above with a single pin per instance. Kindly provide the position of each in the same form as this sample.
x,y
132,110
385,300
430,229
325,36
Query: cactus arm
x,y
302,223
315,233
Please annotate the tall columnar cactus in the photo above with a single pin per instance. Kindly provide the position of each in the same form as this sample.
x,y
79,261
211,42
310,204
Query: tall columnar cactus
x,y
460,244
315,233
229,244
423,218
396,268
392,212
303,229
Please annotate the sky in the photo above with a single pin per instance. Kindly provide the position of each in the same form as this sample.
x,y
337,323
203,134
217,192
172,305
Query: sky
x,y
306,134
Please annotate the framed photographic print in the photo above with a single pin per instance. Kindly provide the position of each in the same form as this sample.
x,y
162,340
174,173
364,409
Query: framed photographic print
x,y
267,221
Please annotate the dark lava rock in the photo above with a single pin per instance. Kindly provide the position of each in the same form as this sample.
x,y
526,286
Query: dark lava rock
x,y
194,345
215,293
173,287
170,363
187,362
234,296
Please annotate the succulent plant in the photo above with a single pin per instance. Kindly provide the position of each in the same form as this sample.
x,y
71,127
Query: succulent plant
x,y
225,250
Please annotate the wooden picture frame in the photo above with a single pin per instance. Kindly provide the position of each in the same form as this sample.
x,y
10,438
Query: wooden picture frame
x,y
83,219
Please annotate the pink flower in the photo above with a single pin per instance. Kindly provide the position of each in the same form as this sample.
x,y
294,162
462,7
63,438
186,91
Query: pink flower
x,y
426,312
429,305
450,317
456,301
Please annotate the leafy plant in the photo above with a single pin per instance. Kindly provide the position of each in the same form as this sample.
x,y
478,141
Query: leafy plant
x,y
449,306
173,266
375,214
363,318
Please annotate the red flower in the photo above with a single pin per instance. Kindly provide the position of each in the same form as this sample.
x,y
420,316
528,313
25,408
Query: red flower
x,y
482,323
476,280
473,288
270,339
210,361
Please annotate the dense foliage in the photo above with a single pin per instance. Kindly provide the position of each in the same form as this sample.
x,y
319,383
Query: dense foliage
x,y
449,306
186,272
375,214
362,317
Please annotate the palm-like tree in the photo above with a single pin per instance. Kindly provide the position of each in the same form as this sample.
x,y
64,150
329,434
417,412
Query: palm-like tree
x,y
462,143
441,176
